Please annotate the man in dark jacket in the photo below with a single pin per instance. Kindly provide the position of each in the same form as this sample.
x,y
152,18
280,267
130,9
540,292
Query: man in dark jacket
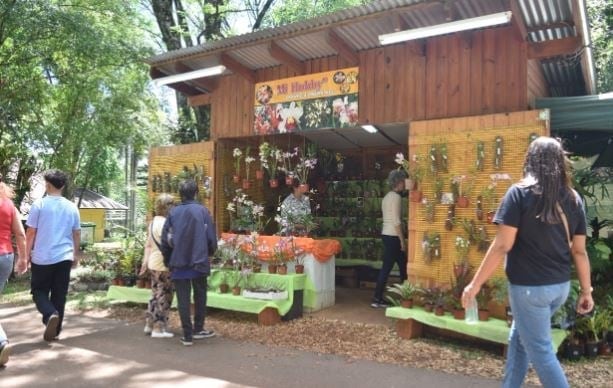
x,y
188,238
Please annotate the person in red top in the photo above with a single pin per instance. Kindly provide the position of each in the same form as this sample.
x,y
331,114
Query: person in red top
x,y
10,225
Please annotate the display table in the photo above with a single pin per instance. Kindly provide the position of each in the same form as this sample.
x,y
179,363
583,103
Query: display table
x,y
409,325
269,311
319,266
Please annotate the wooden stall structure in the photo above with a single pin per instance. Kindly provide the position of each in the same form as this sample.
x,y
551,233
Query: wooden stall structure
x,y
456,89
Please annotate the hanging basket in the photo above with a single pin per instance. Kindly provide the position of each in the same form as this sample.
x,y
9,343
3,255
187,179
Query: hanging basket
x,y
259,174
274,183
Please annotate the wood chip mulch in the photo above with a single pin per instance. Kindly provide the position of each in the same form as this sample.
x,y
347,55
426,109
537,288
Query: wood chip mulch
x,y
375,343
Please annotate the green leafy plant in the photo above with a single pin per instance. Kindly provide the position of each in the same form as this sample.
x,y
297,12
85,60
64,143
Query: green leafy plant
x,y
405,290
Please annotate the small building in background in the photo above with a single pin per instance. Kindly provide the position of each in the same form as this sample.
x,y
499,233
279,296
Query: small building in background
x,y
94,210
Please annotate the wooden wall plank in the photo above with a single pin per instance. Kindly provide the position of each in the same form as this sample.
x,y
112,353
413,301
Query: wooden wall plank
x,y
390,80
366,104
488,81
500,91
453,74
431,59
442,78
476,74
379,86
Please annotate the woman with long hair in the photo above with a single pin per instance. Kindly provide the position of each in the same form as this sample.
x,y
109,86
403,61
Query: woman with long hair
x,y
10,225
156,319
541,230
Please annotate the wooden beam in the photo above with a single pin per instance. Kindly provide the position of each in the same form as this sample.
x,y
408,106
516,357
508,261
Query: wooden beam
x,y
553,48
237,68
550,26
399,23
343,48
278,53
178,86
518,20
206,83
200,99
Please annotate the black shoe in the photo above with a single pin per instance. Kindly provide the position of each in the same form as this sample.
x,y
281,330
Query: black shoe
x,y
379,304
186,342
204,334
51,328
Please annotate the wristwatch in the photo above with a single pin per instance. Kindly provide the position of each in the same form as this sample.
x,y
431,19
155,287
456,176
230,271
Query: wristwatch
x,y
587,291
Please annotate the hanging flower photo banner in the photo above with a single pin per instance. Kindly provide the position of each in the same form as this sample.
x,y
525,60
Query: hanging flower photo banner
x,y
320,100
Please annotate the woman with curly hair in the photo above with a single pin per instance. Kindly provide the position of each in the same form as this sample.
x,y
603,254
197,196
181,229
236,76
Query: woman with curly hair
x,y
541,230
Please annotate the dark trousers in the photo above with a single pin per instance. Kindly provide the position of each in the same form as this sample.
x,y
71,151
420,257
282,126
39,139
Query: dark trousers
x,y
391,254
49,287
183,289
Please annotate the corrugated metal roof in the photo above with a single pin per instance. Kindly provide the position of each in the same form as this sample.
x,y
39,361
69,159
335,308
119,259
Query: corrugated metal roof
x,y
361,26
92,200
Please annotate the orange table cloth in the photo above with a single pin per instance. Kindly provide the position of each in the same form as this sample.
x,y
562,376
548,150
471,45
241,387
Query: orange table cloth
x,y
322,250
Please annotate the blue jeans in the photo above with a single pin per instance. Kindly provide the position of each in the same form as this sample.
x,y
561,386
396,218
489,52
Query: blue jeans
x,y
6,267
391,255
530,335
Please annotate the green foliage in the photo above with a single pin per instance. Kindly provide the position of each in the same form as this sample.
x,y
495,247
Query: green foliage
x,y
600,15
291,11
404,290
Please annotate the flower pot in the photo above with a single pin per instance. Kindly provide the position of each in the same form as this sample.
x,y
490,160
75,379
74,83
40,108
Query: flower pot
x,y
463,201
236,179
428,307
259,174
591,349
282,269
273,183
407,303
573,351
415,196
304,187
224,288
604,349
484,315
289,180
439,310
299,268
272,268
409,184
140,283
115,281
236,291
148,284
459,314
490,217
121,282
246,184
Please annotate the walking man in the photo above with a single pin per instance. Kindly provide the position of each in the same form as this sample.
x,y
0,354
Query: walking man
x,y
188,238
52,246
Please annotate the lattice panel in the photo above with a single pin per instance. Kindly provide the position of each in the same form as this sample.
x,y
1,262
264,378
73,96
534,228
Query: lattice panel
x,y
462,158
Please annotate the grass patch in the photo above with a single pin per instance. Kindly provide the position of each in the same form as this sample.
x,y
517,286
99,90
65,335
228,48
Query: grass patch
x,y
17,291
88,300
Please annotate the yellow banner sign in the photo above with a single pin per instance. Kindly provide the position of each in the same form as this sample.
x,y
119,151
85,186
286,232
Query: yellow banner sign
x,y
321,100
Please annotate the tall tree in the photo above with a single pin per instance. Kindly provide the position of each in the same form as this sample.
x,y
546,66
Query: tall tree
x,y
600,13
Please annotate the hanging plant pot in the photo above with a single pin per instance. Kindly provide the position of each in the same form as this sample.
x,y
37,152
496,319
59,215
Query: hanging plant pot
x,y
299,268
259,174
415,196
273,183
224,288
463,201
289,180
246,184
236,179
304,187
490,217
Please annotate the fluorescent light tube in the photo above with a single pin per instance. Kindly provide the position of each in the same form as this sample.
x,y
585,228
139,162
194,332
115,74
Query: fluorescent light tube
x,y
369,128
200,73
493,19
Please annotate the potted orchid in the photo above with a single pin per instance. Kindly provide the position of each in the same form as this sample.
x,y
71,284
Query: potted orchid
x,y
270,156
237,154
245,215
305,165
415,173
287,165
248,160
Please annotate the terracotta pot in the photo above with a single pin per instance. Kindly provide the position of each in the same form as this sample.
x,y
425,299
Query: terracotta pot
x,y
273,183
236,179
459,314
259,174
439,310
224,288
463,201
299,268
289,180
272,268
282,269
148,284
407,303
246,184
115,281
304,187
140,283
415,196
121,282
428,307
236,291
484,315
604,349
490,217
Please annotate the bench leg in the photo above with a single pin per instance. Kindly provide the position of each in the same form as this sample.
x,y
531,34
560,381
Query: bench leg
x,y
408,328
269,316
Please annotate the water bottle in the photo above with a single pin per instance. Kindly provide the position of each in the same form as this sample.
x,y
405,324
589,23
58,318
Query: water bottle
x,y
471,315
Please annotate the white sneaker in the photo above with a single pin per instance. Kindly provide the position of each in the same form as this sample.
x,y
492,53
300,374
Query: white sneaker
x,y
147,330
161,334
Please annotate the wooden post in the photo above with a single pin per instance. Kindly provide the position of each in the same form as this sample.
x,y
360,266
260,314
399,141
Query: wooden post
x,y
408,328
